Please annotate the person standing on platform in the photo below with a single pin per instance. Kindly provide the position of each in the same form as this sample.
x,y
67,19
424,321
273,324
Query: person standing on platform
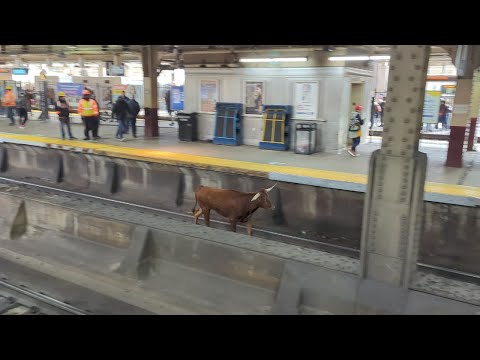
x,y
22,110
88,110
133,110
442,115
355,129
382,107
120,110
63,111
168,103
9,102
29,99
96,123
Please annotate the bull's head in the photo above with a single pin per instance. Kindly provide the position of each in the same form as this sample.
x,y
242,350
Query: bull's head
x,y
262,199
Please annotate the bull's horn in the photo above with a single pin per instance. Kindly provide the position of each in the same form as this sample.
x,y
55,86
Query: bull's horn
x,y
269,189
257,195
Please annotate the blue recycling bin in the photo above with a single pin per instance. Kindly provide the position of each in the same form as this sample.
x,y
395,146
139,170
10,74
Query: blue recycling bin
x,y
228,129
276,127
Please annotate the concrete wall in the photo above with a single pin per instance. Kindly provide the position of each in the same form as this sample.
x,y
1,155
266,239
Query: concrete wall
x,y
224,272
333,216
333,97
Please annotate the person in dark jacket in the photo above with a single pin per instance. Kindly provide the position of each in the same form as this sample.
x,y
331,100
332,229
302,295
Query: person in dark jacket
x,y
22,109
120,111
63,111
169,105
133,110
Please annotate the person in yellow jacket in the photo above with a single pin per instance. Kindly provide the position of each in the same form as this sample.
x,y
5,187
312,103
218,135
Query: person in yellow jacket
x,y
9,102
88,110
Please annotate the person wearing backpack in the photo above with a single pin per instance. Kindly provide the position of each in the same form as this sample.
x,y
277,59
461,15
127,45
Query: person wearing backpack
x,y
355,129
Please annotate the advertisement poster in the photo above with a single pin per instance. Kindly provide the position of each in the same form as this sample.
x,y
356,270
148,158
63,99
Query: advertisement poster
x,y
118,90
254,97
131,91
162,90
306,100
136,91
431,106
448,90
177,97
208,95
73,93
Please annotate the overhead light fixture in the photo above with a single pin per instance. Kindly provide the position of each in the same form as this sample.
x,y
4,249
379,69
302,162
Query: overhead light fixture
x,y
348,58
266,60
359,58
380,57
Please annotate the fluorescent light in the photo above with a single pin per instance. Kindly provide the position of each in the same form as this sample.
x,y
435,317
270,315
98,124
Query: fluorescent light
x,y
264,60
359,58
348,58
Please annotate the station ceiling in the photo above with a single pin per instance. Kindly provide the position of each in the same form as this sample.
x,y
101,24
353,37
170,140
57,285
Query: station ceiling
x,y
188,54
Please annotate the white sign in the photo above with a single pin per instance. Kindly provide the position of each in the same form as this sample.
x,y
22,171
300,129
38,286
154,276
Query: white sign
x,y
306,100
431,107
208,95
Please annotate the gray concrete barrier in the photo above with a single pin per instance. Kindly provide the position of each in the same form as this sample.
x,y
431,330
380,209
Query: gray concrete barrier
x,y
312,212
211,267
36,164
13,220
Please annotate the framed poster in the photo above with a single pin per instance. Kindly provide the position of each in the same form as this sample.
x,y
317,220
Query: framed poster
x,y
448,90
73,93
254,97
118,90
306,100
208,95
431,106
177,97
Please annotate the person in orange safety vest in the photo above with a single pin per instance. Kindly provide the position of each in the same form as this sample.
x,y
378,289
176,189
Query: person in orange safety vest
x,y
88,110
9,102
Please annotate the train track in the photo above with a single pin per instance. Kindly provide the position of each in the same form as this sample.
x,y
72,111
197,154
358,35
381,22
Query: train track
x,y
19,300
263,233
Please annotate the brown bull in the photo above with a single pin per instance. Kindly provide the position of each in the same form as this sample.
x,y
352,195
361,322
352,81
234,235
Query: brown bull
x,y
236,206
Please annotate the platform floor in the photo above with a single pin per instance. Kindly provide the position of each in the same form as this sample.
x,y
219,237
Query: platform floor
x,y
343,166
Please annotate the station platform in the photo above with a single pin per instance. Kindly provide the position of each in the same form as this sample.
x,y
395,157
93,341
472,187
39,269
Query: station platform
x,y
332,170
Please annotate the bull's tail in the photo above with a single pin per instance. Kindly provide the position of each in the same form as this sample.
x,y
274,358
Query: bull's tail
x,y
196,200
195,206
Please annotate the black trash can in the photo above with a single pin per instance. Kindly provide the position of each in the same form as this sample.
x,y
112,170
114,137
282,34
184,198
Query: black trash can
x,y
187,127
305,138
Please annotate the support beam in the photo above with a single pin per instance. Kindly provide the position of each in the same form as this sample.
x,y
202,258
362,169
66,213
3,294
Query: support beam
x,y
463,94
466,103
394,200
149,61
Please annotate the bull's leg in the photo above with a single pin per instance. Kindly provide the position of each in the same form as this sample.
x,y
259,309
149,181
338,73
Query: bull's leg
x,y
206,216
233,225
249,228
196,216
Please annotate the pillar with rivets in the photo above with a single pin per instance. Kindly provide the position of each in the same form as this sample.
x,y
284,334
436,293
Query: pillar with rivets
x,y
149,62
394,201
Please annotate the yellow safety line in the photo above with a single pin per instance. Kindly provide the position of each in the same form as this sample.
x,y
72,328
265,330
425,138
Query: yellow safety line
x,y
171,158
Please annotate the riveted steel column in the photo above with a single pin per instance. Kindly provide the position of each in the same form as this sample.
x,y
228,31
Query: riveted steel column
x,y
394,201
149,62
